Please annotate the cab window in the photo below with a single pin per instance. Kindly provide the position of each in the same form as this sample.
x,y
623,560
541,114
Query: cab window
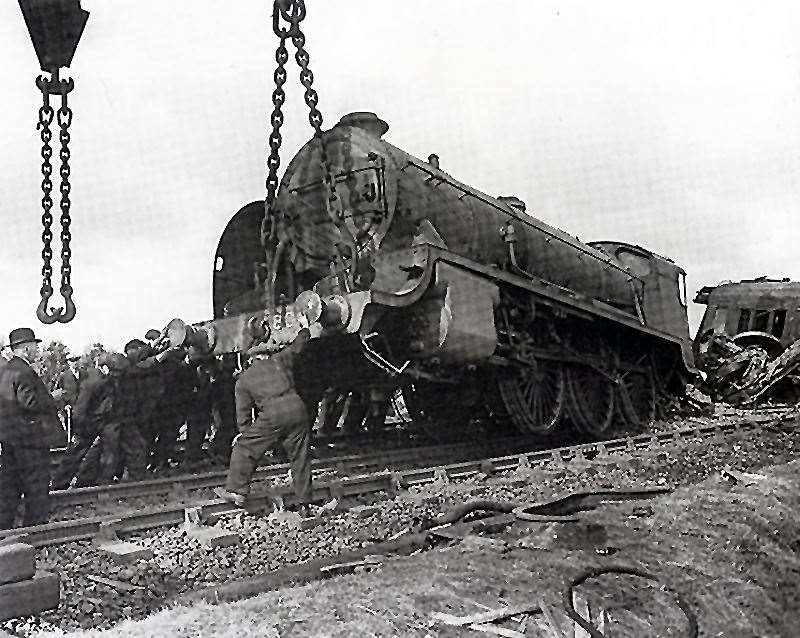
x,y
778,323
761,320
744,320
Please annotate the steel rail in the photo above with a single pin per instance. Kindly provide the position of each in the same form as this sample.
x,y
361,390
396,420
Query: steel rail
x,y
391,482
346,464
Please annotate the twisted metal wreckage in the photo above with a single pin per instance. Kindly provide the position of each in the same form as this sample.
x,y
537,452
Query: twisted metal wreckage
x,y
743,375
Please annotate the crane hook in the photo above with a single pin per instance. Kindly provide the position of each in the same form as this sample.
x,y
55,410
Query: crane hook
x,y
57,315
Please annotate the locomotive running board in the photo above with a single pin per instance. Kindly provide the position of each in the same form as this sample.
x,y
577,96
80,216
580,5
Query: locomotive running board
x,y
557,297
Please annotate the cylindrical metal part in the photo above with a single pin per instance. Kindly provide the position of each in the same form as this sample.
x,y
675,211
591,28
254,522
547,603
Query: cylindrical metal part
x,y
388,193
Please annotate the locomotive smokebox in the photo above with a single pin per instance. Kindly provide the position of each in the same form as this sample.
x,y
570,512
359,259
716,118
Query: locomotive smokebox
x,y
366,121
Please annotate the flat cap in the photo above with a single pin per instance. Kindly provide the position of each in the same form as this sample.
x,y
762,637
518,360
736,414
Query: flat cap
x,y
114,361
135,344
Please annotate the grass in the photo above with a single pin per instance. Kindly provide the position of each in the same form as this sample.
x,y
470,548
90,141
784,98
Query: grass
x,y
732,550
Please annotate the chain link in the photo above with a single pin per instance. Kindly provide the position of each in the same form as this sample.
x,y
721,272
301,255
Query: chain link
x,y
303,60
46,114
292,13
275,139
64,116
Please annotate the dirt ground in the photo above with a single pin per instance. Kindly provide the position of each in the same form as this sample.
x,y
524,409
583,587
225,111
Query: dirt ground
x,y
730,547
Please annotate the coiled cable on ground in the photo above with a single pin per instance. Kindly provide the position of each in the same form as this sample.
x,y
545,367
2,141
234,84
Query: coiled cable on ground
x,y
621,569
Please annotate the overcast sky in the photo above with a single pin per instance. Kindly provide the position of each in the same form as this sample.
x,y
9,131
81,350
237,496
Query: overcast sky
x,y
672,125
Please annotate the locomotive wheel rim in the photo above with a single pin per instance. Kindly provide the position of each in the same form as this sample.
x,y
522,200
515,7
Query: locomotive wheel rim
x,y
637,398
535,397
591,400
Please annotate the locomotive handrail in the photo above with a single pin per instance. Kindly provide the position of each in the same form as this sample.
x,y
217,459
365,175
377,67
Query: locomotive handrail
x,y
487,199
585,306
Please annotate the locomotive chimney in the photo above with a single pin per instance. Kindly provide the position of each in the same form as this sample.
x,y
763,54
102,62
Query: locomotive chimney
x,y
513,201
366,121
433,160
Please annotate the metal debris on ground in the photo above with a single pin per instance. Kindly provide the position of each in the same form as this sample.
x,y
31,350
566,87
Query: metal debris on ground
x,y
484,617
116,584
741,375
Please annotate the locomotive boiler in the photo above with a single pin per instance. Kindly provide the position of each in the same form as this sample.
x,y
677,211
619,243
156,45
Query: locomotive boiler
x,y
464,301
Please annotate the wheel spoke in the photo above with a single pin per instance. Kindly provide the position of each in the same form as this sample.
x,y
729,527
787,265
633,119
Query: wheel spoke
x,y
534,396
591,397
637,394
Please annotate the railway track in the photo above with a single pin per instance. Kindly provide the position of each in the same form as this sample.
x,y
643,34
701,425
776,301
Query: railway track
x,y
344,464
599,453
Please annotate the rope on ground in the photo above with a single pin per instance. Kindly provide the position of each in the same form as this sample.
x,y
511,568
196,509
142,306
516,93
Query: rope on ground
x,y
594,572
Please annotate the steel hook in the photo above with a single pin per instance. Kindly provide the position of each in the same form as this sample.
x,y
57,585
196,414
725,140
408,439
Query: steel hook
x,y
57,315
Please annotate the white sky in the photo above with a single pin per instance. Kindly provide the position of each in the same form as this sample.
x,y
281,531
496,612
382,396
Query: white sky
x,y
675,126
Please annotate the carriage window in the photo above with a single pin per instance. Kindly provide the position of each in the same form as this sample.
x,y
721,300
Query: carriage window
x,y
761,320
744,321
218,263
778,323
682,289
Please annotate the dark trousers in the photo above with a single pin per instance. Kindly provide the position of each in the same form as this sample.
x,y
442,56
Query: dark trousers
x,y
90,466
169,425
120,441
72,459
197,426
224,426
250,446
24,471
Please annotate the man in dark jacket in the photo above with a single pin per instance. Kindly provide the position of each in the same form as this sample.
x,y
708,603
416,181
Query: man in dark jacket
x,y
122,443
269,386
143,384
29,426
92,409
177,378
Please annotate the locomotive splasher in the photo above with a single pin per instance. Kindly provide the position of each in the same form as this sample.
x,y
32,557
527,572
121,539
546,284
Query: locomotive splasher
x,y
462,299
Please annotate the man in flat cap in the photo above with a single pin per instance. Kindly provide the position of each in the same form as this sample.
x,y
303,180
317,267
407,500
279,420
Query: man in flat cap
x,y
29,426
93,409
282,392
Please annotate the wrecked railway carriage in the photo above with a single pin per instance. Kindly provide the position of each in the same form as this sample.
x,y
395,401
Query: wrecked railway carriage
x,y
747,344
753,312
464,301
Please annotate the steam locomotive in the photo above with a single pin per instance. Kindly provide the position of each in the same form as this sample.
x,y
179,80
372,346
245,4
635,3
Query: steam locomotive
x,y
464,302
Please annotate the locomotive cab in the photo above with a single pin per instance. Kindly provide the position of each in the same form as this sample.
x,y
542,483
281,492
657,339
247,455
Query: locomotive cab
x,y
664,284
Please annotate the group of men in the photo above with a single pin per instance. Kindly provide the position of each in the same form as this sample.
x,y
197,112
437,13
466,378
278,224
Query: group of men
x,y
130,409
127,411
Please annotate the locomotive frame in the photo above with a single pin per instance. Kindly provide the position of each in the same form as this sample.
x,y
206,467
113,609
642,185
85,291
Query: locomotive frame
x,y
603,338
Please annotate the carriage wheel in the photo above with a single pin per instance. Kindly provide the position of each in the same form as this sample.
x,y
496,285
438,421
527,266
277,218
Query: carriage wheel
x,y
442,411
637,398
591,400
534,396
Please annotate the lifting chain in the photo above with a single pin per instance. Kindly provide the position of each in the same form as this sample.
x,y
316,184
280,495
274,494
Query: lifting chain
x,y
286,18
64,119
